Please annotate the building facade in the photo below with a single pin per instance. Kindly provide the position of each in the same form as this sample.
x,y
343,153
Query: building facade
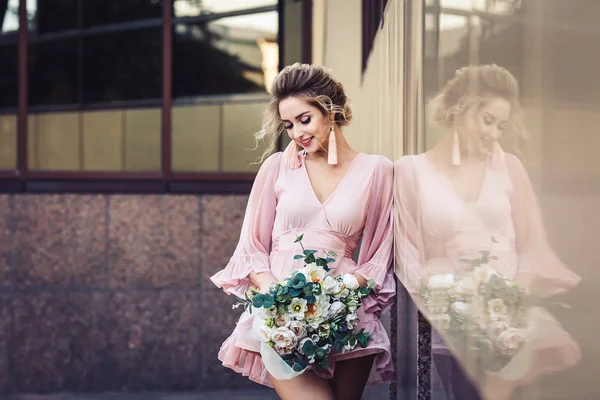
x,y
127,154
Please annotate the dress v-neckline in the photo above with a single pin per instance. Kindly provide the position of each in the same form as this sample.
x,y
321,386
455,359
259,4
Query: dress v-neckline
x,y
337,189
473,202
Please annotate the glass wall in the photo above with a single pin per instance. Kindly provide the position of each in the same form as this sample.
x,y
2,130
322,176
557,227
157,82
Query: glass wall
x,y
96,83
502,196
9,73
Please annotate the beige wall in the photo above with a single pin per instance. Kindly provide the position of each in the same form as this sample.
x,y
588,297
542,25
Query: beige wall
x,y
375,94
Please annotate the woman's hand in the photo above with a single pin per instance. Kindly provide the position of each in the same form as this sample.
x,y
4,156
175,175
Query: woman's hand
x,y
262,280
362,282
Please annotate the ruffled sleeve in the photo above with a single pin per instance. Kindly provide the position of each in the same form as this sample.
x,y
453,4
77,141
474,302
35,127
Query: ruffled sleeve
x,y
375,256
539,268
408,249
252,251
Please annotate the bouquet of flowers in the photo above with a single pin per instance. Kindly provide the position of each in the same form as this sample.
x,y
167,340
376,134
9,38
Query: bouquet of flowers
x,y
310,313
480,311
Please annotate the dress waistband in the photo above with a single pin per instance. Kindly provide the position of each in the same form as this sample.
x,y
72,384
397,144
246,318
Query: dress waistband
x,y
314,240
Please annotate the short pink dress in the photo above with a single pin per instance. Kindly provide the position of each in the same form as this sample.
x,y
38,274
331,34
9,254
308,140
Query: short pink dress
x,y
281,206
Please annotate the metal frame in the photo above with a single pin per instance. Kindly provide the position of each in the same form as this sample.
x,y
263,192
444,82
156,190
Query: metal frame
x,y
165,180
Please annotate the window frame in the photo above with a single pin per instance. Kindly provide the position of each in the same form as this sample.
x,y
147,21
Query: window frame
x,y
164,180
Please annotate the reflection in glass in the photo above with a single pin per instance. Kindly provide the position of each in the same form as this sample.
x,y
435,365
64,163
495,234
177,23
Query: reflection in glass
x,y
103,12
9,16
122,66
193,8
52,72
472,247
224,56
53,15
8,75
490,6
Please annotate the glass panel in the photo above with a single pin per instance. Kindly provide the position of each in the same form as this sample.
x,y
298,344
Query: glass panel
x,y
236,53
123,66
8,142
9,60
142,139
10,12
52,72
509,184
103,141
54,142
240,122
52,15
196,141
9,75
103,12
193,8
489,6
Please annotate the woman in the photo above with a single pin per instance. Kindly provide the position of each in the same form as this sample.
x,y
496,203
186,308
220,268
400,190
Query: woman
x,y
466,195
336,197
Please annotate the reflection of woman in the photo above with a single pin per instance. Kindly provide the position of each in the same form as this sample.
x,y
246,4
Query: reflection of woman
x,y
336,198
454,198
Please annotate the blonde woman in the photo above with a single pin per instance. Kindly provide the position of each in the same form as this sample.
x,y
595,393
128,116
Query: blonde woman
x,y
320,187
452,200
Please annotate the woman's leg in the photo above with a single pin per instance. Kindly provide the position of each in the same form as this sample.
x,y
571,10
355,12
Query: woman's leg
x,y
307,386
350,377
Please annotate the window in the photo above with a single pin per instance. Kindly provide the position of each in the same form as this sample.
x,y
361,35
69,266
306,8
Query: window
x,y
9,78
162,94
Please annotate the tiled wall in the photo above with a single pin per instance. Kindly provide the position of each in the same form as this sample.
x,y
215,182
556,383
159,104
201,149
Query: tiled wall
x,y
103,293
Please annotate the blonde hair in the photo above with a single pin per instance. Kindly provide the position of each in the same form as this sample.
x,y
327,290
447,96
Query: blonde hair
x,y
311,83
473,85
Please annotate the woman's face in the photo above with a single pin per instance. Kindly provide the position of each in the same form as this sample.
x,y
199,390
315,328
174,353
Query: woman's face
x,y
482,126
305,124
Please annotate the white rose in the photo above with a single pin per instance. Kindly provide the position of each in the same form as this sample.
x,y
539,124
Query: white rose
x,y
351,321
297,308
497,309
510,341
461,308
440,282
316,313
314,273
483,273
336,308
285,340
351,282
282,319
466,286
298,328
330,285
344,293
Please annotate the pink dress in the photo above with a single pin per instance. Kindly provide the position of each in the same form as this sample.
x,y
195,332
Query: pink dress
x,y
434,227
281,206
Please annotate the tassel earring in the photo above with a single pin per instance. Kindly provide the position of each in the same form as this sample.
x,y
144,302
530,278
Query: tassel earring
x,y
332,150
292,159
455,149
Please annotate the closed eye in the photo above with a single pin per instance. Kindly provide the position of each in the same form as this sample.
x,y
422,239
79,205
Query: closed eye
x,y
305,121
